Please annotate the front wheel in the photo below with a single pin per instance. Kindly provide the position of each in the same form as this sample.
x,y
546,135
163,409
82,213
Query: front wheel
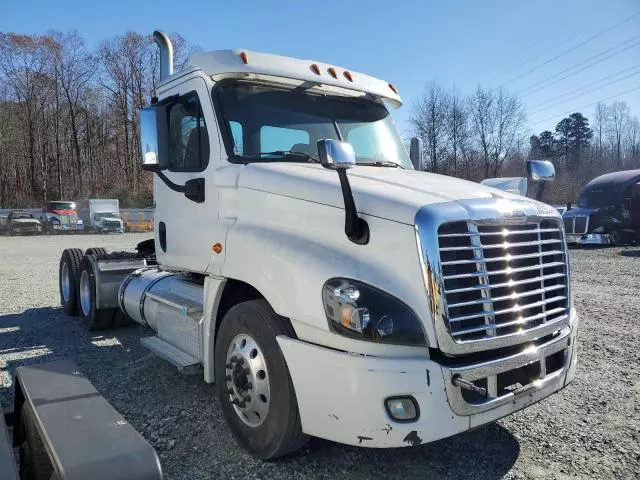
x,y
253,383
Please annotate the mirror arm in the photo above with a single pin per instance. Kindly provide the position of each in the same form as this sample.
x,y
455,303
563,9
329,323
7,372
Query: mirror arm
x,y
173,186
356,228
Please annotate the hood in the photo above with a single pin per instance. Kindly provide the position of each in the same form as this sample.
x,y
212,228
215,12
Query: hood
x,y
25,220
390,193
579,211
111,219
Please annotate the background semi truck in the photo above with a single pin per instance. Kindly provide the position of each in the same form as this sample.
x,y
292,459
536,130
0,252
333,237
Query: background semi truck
x,y
101,215
61,215
324,285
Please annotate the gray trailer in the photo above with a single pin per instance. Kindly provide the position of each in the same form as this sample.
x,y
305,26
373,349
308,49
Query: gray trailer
x,y
64,429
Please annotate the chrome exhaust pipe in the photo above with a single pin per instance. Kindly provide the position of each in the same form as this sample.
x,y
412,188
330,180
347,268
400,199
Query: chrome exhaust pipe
x,y
166,53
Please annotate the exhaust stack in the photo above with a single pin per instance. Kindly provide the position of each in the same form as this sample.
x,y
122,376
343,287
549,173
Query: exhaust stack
x,y
166,53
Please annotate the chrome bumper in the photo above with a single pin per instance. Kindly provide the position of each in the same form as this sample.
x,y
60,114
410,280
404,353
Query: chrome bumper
x,y
589,239
544,384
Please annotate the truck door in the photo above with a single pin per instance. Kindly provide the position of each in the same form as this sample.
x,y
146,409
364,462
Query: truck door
x,y
186,221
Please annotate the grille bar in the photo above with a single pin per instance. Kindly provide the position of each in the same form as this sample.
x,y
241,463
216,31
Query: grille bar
x,y
505,245
518,322
510,283
518,308
504,271
507,258
513,296
504,233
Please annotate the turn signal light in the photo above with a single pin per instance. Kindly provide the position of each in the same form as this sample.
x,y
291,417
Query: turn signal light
x,y
393,87
217,248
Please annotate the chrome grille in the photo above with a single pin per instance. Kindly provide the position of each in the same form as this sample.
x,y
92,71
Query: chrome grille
x,y
502,279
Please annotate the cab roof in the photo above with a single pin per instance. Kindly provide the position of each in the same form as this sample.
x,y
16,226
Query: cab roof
x,y
615,178
246,64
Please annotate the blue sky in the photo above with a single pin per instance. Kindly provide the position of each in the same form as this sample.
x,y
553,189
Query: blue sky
x,y
465,42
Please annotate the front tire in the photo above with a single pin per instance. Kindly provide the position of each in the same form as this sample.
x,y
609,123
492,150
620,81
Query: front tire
x,y
253,383
93,318
67,280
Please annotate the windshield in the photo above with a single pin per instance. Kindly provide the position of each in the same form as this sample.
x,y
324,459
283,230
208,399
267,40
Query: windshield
x,y
101,215
21,215
599,197
62,206
262,119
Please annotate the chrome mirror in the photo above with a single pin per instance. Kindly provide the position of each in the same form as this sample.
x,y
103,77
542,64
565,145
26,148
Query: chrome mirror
x,y
541,170
336,155
153,138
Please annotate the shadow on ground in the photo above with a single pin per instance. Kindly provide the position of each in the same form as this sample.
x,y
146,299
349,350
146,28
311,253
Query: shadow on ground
x,y
181,418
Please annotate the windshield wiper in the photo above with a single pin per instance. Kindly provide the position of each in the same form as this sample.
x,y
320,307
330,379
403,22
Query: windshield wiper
x,y
380,164
285,154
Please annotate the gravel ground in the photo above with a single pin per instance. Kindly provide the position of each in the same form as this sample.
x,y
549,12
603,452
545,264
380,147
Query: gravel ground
x,y
589,430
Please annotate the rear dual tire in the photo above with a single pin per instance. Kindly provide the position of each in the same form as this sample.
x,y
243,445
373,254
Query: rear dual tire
x,y
68,279
94,319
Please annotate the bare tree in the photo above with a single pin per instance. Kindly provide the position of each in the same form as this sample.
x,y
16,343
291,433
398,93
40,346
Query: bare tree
x,y
497,120
457,128
617,119
428,119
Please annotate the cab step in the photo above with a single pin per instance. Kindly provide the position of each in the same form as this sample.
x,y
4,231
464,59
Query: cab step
x,y
184,362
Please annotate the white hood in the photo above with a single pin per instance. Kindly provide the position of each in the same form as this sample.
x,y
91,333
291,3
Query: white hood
x,y
390,193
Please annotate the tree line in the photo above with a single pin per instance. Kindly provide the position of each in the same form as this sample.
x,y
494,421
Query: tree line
x,y
69,125
484,134
69,116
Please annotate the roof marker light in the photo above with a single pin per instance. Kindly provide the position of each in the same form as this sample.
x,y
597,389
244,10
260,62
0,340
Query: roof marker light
x,y
315,68
393,87
348,76
244,58
332,72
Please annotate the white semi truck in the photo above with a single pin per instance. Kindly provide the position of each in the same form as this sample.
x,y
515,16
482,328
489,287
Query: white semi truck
x,y
385,307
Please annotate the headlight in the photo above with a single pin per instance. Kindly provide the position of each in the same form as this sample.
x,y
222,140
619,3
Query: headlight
x,y
360,311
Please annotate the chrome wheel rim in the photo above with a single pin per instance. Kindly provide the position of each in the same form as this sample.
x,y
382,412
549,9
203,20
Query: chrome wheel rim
x,y
65,280
85,293
247,380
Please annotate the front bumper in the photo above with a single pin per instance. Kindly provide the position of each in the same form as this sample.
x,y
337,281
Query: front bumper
x,y
341,395
589,239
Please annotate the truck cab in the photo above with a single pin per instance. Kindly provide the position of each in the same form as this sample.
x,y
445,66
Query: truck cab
x,y
324,285
607,211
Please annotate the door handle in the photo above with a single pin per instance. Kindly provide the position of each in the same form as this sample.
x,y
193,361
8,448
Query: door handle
x,y
194,190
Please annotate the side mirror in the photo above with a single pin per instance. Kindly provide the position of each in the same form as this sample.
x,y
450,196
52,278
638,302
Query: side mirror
x,y
339,156
336,155
541,170
154,143
416,152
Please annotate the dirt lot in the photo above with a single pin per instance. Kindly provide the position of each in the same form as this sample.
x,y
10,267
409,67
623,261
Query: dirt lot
x,y
589,430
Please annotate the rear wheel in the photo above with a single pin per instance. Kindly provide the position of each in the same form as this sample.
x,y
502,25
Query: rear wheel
x,y
67,279
96,251
253,383
93,318
34,461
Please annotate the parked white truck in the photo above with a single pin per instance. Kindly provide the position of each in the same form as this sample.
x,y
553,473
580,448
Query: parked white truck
x,y
383,308
101,215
